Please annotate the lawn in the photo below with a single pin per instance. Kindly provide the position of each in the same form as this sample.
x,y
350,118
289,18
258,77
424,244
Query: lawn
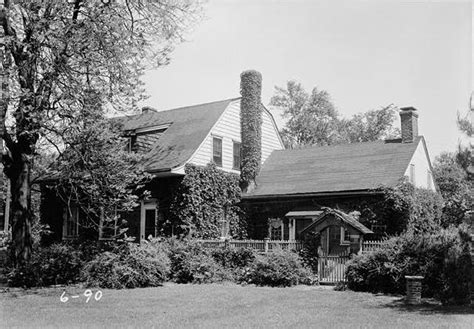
x,y
217,306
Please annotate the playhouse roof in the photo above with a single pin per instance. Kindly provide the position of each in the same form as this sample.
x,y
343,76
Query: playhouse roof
x,y
345,218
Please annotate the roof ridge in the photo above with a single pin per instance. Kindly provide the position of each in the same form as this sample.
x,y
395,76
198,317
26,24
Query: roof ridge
x,y
379,141
174,109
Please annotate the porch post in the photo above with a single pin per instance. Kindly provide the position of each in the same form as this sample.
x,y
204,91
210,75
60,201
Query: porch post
x,y
292,229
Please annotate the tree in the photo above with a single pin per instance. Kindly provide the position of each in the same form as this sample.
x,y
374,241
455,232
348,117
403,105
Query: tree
x,y
314,120
54,54
464,153
454,186
369,126
98,175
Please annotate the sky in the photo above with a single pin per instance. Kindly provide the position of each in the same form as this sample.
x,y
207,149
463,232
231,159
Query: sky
x,y
366,54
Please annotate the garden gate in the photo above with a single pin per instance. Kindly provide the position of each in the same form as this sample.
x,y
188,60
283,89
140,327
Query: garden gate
x,y
332,268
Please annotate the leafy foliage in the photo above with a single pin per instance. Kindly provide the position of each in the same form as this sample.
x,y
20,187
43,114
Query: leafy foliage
x,y
205,197
279,269
235,259
369,126
96,173
453,183
190,262
401,208
314,120
60,58
442,257
128,266
309,253
56,264
251,126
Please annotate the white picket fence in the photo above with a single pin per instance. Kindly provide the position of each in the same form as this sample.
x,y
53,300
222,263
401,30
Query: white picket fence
x,y
368,246
265,245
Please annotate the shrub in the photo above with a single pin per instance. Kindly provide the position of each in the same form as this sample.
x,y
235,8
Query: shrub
x,y
56,264
279,269
128,266
233,258
5,238
309,253
442,258
190,262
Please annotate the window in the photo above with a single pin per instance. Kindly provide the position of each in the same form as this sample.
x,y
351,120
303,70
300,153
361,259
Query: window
x,y
275,233
131,141
345,236
412,174
71,224
236,163
275,226
217,151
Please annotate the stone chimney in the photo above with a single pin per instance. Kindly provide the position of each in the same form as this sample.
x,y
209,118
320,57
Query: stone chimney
x,y
409,120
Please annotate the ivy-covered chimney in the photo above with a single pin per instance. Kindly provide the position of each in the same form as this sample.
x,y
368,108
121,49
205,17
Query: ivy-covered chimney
x,y
409,120
250,127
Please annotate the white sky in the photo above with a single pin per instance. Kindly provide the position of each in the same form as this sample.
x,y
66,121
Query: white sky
x,y
366,54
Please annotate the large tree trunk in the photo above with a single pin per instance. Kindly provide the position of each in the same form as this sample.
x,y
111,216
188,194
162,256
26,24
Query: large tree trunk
x,y
20,210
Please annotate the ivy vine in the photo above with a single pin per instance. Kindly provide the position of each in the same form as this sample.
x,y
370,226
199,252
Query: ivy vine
x,y
204,199
251,126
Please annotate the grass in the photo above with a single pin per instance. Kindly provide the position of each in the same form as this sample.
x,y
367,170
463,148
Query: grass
x,y
225,305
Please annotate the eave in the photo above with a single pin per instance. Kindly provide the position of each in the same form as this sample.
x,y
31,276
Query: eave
x,y
275,197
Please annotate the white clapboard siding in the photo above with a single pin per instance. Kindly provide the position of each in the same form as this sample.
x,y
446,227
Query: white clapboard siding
x,y
421,168
228,128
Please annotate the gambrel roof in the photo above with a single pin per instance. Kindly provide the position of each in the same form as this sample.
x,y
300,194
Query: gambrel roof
x,y
329,169
188,126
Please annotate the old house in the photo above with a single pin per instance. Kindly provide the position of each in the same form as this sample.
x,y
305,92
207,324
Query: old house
x,y
292,187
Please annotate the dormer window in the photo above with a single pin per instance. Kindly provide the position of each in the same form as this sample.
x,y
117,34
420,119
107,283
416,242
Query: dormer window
x,y
217,151
141,140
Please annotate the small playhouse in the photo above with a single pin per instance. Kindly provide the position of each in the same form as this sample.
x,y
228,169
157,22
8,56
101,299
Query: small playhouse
x,y
340,233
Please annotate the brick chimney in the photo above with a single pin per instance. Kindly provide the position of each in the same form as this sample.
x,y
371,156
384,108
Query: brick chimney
x,y
409,120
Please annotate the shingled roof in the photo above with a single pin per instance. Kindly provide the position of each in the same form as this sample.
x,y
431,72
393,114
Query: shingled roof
x,y
188,127
329,169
